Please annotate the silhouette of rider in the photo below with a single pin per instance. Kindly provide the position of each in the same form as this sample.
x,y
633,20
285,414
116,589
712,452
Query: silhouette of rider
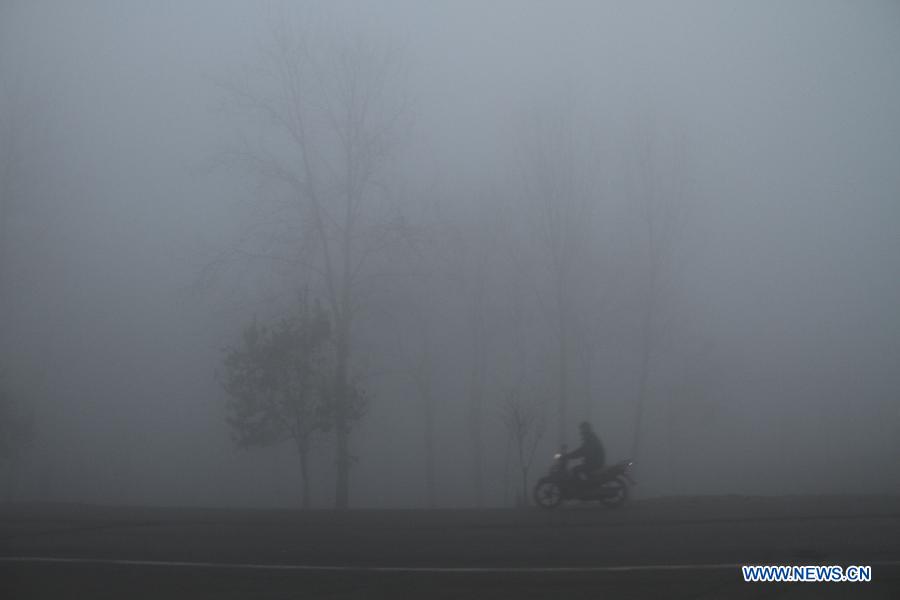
x,y
591,452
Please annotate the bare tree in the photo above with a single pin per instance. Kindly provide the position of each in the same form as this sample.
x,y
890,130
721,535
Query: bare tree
x,y
17,176
475,242
477,321
559,172
525,425
14,164
16,433
423,375
418,326
333,112
659,193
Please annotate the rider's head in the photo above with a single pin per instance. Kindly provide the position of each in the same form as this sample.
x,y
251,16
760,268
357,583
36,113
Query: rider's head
x,y
585,429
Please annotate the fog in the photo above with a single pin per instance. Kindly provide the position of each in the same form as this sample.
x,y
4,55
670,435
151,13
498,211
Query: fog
x,y
683,215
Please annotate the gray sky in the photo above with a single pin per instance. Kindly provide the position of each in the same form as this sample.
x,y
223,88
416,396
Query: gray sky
x,y
779,120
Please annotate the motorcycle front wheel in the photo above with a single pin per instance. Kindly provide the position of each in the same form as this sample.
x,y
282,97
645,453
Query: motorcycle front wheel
x,y
618,492
547,494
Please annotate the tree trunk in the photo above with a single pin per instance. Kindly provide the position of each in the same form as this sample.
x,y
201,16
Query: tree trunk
x,y
429,448
476,436
563,358
304,476
302,441
644,375
12,480
524,486
588,353
422,376
341,426
639,410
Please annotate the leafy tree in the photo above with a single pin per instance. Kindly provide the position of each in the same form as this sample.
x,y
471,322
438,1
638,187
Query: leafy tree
x,y
278,386
332,113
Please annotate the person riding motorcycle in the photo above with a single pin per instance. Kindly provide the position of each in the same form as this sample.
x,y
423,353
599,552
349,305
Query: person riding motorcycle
x,y
591,452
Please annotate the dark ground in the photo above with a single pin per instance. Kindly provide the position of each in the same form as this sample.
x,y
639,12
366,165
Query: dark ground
x,y
244,553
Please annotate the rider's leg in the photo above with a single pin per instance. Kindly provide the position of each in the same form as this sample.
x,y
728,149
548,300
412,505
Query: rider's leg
x,y
581,471
586,471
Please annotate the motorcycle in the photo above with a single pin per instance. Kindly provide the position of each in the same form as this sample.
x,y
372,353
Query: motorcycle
x,y
608,485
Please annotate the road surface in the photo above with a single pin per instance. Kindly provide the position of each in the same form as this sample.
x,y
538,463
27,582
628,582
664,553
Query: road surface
x,y
670,548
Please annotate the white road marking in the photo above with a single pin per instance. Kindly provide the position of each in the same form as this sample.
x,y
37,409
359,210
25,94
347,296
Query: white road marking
x,y
374,569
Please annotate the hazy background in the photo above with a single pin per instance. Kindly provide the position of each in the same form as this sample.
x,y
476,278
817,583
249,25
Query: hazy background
x,y
775,130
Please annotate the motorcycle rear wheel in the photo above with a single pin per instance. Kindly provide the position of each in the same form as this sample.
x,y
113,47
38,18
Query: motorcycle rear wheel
x,y
547,494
